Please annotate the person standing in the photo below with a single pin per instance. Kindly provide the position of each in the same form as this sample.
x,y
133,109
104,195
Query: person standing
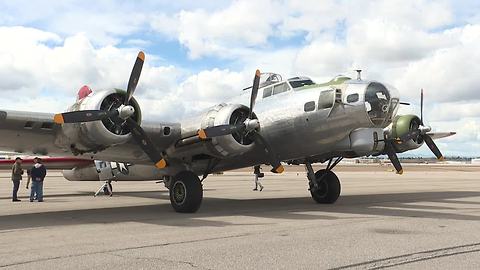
x,y
258,174
17,172
38,173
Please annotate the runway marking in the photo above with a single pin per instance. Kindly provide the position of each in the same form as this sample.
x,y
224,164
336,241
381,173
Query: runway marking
x,y
414,257
123,249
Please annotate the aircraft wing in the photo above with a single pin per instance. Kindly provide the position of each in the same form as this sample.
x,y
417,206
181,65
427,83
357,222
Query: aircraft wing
x,y
27,132
439,135
54,163
38,134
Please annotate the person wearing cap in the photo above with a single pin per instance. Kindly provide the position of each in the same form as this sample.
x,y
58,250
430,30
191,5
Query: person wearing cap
x,y
37,173
17,172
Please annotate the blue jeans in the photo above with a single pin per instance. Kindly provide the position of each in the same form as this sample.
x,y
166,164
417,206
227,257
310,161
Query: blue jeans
x,y
16,185
36,189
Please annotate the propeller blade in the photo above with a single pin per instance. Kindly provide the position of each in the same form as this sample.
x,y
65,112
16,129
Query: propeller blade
x,y
428,140
392,155
421,107
221,130
134,77
83,116
272,157
146,144
253,96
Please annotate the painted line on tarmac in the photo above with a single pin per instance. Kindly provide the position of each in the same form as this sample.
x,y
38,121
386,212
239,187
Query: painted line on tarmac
x,y
414,257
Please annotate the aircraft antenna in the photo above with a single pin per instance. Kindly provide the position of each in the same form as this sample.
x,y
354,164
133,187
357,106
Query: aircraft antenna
x,y
359,74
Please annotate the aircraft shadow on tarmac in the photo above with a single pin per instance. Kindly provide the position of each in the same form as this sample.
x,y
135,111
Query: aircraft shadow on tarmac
x,y
302,208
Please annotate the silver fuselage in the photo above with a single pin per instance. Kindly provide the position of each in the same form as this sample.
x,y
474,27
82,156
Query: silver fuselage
x,y
294,130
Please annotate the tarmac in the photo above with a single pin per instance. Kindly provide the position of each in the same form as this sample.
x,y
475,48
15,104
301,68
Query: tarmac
x,y
427,218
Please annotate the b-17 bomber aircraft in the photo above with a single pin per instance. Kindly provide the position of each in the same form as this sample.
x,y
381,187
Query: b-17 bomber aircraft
x,y
294,121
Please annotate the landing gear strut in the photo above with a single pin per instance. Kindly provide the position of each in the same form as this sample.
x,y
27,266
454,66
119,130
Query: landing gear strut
x,y
106,188
324,185
186,192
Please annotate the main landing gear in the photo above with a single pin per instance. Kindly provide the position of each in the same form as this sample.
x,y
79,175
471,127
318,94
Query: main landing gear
x,y
324,185
186,192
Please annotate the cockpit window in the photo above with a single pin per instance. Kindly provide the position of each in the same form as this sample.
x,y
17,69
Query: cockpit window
x,y
300,83
377,101
267,92
280,88
269,78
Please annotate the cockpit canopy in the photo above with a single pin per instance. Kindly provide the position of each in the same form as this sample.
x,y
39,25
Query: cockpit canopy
x,y
269,78
297,82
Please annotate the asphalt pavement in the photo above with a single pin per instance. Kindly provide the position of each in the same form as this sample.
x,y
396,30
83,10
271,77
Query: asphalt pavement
x,y
427,218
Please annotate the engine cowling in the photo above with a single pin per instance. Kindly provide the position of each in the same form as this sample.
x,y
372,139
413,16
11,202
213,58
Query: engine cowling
x,y
223,114
221,146
402,125
89,136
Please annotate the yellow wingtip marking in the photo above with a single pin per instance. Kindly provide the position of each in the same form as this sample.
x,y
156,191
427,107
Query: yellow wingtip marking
x,y
58,118
141,55
202,134
279,169
161,164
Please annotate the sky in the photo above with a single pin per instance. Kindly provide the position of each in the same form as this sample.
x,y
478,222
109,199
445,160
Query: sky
x,y
200,53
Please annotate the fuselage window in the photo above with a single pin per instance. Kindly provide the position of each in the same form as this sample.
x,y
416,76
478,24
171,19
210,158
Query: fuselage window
x,y
309,106
352,98
280,88
326,99
267,92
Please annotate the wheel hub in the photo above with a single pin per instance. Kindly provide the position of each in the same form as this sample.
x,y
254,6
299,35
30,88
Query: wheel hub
x,y
179,193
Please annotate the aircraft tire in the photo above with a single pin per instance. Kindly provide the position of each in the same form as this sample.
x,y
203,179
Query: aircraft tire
x,y
186,192
329,187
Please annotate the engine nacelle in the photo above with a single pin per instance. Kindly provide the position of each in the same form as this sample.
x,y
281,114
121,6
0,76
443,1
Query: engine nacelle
x,y
222,146
81,174
96,135
104,170
402,125
223,114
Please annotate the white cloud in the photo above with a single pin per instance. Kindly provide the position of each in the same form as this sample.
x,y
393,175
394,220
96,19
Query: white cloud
x,y
246,23
449,74
410,44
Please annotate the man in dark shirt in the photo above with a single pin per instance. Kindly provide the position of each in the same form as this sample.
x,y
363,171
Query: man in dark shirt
x,y
38,173
17,172
258,175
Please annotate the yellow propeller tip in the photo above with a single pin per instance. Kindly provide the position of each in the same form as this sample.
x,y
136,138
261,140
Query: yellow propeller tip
x,y
279,169
441,158
58,118
257,72
400,172
201,134
161,164
141,55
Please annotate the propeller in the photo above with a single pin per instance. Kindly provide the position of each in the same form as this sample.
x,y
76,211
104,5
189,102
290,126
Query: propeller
x,y
249,128
123,113
392,155
418,133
